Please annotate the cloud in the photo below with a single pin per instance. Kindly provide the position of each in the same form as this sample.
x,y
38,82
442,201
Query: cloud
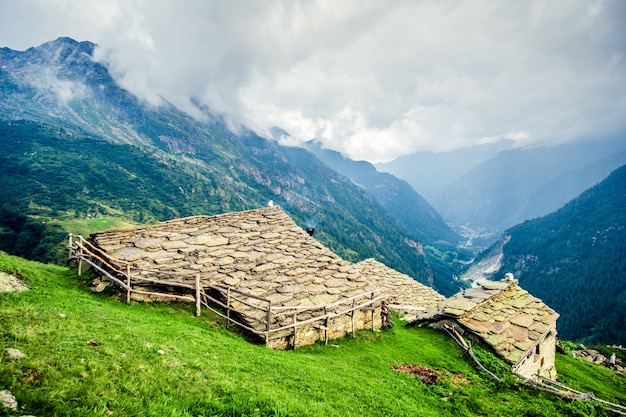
x,y
64,90
374,79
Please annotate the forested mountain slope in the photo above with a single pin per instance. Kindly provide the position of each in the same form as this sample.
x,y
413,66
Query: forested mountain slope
x,y
75,144
395,195
440,243
575,260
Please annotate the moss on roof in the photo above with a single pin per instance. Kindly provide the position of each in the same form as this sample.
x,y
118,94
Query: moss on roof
x,y
504,315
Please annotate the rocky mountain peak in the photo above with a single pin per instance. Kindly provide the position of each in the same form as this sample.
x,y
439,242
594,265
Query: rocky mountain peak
x,y
63,57
49,53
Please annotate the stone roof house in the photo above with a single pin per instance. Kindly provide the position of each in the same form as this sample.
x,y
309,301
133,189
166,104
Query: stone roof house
x,y
263,253
256,250
519,327
403,293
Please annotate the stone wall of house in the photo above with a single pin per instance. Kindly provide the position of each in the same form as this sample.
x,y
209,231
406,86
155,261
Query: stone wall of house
x,y
337,327
540,359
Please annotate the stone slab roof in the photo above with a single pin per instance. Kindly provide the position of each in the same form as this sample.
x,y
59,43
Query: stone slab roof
x,y
401,289
504,315
263,252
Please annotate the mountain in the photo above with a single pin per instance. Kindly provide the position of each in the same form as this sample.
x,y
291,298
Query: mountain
x,y
429,173
440,242
60,84
520,184
575,260
396,195
75,144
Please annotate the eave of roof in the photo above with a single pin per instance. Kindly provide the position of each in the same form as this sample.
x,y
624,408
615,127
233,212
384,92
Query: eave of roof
x,y
400,288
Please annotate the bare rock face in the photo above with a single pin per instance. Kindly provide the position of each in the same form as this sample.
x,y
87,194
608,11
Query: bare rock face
x,y
99,285
7,400
14,354
10,283
596,357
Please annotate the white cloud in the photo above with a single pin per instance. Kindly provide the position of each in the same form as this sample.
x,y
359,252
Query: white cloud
x,y
373,79
64,90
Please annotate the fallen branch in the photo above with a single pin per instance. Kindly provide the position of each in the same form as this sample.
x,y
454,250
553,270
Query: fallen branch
x,y
468,349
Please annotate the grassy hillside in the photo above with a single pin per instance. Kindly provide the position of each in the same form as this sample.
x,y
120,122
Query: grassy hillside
x,y
93,355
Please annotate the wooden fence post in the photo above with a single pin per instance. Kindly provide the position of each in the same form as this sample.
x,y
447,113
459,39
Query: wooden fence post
x,y
228,306
80,258
295,332
373,310
352,317
268,317
198,303
69,246
326,325
128,283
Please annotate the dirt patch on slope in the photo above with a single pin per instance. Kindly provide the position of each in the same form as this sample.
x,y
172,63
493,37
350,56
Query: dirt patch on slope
x,y
430,376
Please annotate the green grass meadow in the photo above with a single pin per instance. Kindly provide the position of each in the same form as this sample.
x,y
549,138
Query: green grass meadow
x,y
94,355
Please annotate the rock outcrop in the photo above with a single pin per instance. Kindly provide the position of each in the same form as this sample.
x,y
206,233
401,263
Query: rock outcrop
x,y
9,282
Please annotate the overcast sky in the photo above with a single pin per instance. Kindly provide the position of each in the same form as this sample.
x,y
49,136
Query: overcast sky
x,y
373,79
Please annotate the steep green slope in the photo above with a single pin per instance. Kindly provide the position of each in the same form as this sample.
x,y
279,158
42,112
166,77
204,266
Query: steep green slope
x,y
575,260
91,355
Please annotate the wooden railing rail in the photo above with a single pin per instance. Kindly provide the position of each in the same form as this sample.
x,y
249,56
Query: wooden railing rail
x,y
568,393
207,301
407,308
318,306
82,242
110,276
330,315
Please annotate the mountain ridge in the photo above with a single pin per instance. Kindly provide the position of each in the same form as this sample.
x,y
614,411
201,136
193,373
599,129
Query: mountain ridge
x,y
504,190
431,172
393,193
233,170
484,189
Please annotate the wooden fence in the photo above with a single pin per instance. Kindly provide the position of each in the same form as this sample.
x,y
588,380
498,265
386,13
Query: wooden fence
x,y
570,394
254,314
538,381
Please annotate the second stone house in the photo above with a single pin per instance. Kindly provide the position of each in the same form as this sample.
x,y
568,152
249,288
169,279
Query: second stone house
x,y
518,326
